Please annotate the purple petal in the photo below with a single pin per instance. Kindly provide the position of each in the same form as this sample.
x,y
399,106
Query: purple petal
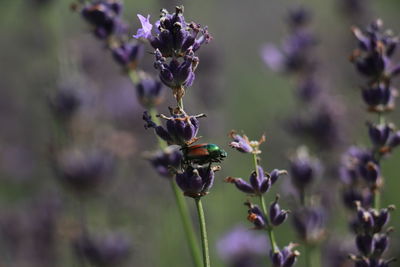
x,y
145,31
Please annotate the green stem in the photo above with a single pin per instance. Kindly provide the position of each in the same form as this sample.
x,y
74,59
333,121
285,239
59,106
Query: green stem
x,y
180,103
270,230
203,231
187,225
133,75
255,163
312,256
377,199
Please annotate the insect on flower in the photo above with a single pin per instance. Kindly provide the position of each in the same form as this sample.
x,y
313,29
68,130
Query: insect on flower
x,y
203,153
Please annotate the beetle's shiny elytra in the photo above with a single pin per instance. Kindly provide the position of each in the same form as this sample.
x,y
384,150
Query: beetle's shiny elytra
x,y
203,153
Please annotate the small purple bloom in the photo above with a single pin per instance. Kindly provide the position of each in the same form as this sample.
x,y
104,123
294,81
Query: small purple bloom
x,y
145,31
256,216
276,214
128,54
150,92
303,169
181,129
285,257
310,223
242,143
166,161
195,182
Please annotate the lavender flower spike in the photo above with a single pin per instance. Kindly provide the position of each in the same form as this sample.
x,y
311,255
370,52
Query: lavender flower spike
x,y
145,31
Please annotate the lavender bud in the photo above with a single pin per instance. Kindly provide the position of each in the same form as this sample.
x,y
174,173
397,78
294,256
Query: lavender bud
x,y
377,95
394,140
310,223
276,214
128,54
84,171
196,182
303,169
381,244
107,251
180,129
240,143
277,259
379,134
365,244
284,258
275,174
241,184
65,103
149,92
256,216
165,161
299,16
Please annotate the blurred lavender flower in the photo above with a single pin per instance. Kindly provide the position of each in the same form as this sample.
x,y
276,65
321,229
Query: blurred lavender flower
x,y
65,103
303,169
310,224
285,257
375,49
181,129
242,247
174,36
128,54
83,170
165,162
150,92
379,97
108,251
195,182
104,16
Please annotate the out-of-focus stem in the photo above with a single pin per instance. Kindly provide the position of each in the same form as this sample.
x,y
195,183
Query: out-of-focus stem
x,y
203,232
312,256
179,199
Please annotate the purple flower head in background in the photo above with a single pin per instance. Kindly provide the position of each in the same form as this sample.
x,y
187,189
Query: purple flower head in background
x,y
150,92
173,35
195,182
286,257
166,161
375,49
259,183
299,16
65,103
242,247
379,97
84,170
108,251
128,54
303,169
181,129
104,16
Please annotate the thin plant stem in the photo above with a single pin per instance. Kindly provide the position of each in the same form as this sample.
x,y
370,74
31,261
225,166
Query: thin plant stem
x,y
312,256
180,103
179,199
187,224
203,232
270,230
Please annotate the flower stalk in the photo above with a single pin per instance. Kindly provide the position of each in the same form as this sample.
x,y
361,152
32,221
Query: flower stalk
x,y
203,232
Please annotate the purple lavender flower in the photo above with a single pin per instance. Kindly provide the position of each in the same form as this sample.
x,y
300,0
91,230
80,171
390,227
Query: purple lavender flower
x,y
242,247
303,169
84,171
285,257
65,103
379,97
277,215
242,143
260,182
174,37
177,75
104,15
108,251
166,161
128,54
195,182
150,92
181,129
256,216
375,48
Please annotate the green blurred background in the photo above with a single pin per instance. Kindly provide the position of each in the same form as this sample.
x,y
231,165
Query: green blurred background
x,y
42,44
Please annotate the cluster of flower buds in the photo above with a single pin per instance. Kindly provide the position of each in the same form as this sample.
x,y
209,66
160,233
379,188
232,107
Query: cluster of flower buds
x,y
181,129
372,239
260,181
361,171
259,184
286,257
195,182
373,59
105,17
166,161
175,41
108,251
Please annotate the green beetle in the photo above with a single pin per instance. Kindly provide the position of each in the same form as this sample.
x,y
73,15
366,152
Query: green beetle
x,y
203,153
